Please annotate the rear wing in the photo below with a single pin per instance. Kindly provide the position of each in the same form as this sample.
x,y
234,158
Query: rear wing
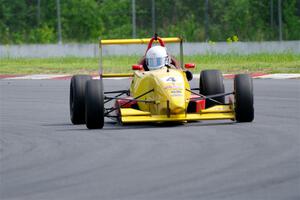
x,y
135,41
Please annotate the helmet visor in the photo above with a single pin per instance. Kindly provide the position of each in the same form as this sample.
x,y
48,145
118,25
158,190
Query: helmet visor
x,y
155,63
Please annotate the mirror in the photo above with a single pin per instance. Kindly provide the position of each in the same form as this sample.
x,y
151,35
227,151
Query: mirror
x,y
189,65
137,67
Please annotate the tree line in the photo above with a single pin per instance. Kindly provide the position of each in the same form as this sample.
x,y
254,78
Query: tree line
x,y
35,21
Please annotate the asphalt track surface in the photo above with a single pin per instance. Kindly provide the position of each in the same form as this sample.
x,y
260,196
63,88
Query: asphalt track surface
x,y
44,157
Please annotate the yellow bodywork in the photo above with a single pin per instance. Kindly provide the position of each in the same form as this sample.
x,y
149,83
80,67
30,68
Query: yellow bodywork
x,y
169,90
166,99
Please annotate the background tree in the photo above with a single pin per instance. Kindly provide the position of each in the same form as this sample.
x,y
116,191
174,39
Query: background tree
x,y
86,20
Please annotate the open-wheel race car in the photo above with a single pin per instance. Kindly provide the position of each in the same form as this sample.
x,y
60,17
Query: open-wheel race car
x,y
159,94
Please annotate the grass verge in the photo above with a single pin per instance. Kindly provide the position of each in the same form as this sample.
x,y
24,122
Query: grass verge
x,y
229,63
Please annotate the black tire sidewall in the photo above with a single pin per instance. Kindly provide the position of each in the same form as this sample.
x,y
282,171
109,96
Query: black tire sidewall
x,y
243,88
94,104
77,98
210,83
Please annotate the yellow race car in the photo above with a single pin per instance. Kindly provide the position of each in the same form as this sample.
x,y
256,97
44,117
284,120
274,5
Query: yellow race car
x,y
162,95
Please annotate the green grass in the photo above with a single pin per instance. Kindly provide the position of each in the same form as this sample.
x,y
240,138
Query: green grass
x,y
229,63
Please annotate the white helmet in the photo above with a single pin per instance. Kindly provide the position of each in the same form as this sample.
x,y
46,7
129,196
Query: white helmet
x,y
157,57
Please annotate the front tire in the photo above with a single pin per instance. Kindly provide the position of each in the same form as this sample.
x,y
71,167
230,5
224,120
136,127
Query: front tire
x,y
94,104
243,88
77,99
211,82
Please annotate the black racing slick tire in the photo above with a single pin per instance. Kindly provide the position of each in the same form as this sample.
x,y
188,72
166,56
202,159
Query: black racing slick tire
x,y
94,104
211,82
77,99
243,92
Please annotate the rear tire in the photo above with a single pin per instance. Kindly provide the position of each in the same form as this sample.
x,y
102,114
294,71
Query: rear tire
x,y
243,87
94,104
77,99
211,82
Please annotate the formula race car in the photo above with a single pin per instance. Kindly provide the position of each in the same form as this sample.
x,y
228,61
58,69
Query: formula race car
x,y
160,95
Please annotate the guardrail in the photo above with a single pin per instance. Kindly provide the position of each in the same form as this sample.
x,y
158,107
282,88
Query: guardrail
x,y
91,50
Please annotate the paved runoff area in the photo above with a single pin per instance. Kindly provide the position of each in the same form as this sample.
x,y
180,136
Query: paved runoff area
x,y
43,156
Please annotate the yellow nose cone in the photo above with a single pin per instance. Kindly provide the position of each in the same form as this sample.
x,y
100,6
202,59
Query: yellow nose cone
x,y
178,110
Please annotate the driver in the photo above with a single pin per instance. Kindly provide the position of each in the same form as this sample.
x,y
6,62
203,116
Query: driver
x,y
157,57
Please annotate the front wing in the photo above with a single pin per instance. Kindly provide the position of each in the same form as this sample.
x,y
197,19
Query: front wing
x,y
218,112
